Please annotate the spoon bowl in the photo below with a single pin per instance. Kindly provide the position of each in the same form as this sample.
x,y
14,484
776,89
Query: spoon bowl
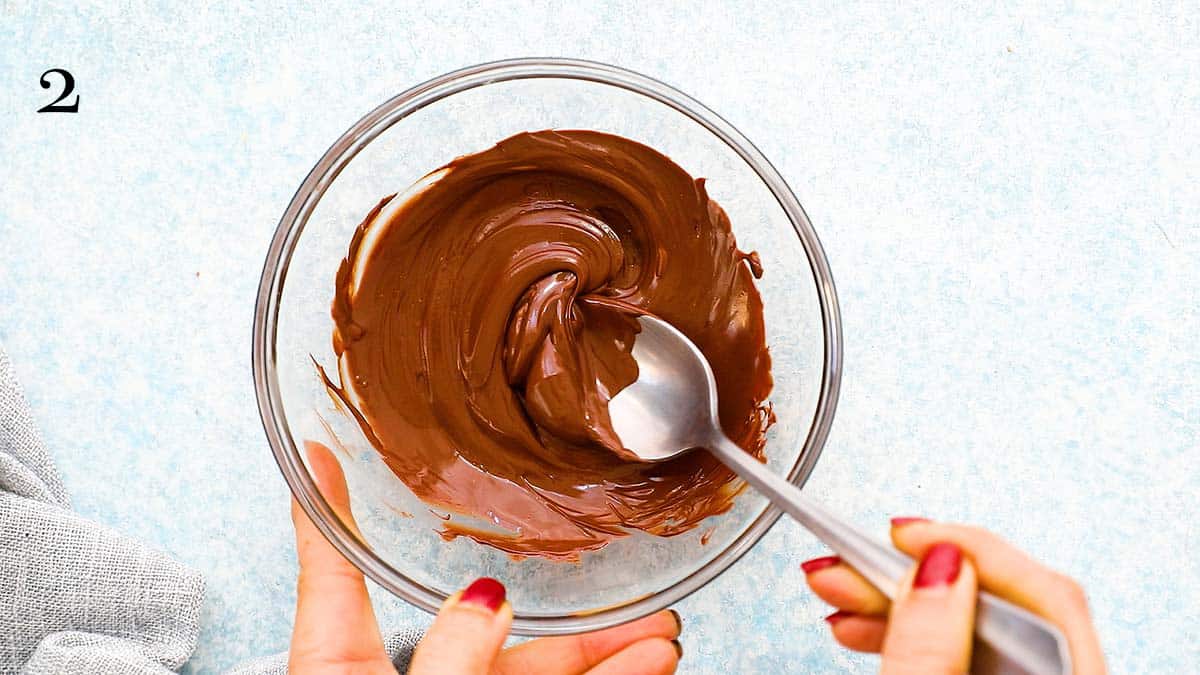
x,y
672,407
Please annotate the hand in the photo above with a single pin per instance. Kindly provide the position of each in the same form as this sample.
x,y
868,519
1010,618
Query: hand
x,y
336,631
929,627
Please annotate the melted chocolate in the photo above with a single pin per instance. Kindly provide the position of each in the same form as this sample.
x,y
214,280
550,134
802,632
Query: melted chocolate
x,y
484,321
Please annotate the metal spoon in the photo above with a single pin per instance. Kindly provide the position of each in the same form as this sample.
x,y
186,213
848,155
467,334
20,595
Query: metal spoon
x,y
672,409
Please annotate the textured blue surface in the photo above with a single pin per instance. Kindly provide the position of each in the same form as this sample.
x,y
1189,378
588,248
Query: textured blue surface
x,y
1008,199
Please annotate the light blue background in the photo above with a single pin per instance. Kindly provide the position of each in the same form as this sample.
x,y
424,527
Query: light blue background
x,y
1008,200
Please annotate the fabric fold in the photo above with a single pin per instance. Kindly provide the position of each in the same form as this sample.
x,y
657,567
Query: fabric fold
x,y
76,596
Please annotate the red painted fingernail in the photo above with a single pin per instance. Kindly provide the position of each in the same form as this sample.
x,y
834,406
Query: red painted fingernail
x,y
939,567
810,566
907,520
485,592
837,616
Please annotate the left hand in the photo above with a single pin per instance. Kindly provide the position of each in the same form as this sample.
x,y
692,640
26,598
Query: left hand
x,y
336,630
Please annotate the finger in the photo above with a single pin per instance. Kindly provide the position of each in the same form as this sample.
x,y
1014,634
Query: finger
x,y
838,584
653,656
467,634
1013,575
859,633
933,617
1003,569
332,484
573,654
328,585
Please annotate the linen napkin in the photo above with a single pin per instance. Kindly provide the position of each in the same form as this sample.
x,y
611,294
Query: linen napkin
x,y
77,597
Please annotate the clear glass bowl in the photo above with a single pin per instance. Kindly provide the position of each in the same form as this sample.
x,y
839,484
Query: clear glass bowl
x,y
464,112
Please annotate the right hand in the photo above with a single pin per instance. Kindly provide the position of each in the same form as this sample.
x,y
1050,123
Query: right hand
x,y
929,627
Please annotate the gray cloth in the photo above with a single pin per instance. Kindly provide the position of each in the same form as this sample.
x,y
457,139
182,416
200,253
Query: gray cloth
x,y
77,597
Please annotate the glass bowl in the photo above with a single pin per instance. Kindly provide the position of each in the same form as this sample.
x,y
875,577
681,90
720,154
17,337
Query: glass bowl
x,y
464,112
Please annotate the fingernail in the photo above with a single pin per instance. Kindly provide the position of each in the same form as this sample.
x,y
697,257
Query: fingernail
x,y
678,621
810,566
678,648
907,520
485,592
837,616
939,567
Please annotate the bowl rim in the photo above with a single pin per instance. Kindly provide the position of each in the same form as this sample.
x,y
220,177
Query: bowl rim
x,y
322,175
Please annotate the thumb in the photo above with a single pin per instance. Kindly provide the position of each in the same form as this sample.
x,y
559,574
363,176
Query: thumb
x,y
933,618
467,634
329,585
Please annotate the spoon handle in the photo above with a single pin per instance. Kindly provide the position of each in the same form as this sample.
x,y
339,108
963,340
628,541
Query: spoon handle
x,y
1009,639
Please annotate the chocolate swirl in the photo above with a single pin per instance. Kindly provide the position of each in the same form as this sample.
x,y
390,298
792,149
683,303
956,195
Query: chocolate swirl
x,y
484,320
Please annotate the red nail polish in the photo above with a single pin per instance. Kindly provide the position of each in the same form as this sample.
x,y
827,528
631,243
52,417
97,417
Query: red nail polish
x,y
837,616
485,592
939,567
810,566
906,520
678,621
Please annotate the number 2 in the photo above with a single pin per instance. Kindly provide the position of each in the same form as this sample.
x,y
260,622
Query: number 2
x,y
68,87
